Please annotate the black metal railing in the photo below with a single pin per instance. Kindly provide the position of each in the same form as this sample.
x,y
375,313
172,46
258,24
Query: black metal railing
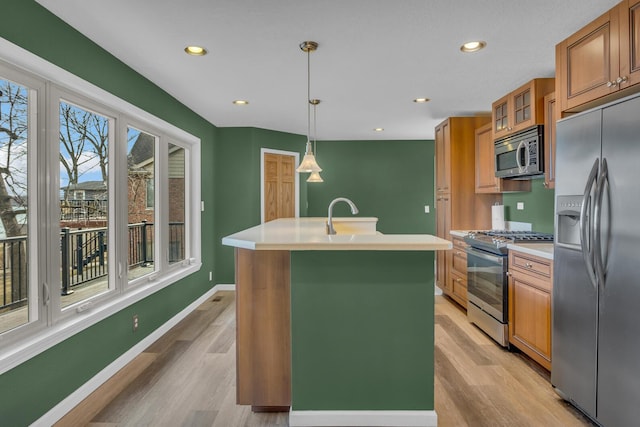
x,y
84,257
14,271
75,209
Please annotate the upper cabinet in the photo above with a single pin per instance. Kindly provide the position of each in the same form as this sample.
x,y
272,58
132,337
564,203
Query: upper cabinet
x,y
486,181
601,61
551,115
521,108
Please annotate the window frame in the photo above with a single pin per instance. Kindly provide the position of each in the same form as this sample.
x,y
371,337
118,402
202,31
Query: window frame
x,y
37,314
53,327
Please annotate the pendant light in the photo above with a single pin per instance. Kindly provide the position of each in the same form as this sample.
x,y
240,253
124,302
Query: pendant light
x,y
315,176
309,163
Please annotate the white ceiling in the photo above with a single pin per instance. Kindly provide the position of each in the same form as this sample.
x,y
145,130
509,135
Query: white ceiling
x,y
374,56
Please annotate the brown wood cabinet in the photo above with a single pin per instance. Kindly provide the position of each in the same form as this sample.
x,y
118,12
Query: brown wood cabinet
x,y
458,272
458,207
486,181
550,117
600,62
530,284
263,329
521,108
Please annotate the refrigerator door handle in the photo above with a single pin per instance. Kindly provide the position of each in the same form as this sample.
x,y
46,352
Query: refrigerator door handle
x,y
597,222
586,223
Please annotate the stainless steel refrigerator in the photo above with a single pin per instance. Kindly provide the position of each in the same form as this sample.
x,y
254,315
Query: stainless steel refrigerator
x,y
596,287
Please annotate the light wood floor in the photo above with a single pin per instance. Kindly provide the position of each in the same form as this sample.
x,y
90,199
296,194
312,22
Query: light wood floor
x,y
187,378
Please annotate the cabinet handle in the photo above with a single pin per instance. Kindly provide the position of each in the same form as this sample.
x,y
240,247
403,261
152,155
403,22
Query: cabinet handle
x,y
458,280
508,273
612,84
621,79
458,253
528,265
545,185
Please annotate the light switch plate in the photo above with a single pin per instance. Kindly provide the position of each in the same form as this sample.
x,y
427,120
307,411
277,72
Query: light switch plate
x,y
426,209
520,206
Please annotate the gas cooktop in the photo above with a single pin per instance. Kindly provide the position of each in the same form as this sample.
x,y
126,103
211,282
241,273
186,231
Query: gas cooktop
x,y
496,241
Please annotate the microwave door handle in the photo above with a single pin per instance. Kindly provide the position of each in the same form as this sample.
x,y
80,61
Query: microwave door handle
x,y
597,223
586,223
521,146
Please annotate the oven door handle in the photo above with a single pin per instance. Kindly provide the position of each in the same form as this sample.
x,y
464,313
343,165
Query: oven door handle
x,y
484,255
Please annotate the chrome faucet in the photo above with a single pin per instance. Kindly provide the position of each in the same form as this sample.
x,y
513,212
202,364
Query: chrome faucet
x,y
354,210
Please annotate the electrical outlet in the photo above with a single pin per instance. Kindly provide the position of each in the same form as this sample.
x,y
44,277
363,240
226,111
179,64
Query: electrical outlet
x,y
426,209
135,322
520,206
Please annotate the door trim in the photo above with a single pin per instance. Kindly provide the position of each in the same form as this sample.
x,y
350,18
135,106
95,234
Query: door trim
x,y
296,155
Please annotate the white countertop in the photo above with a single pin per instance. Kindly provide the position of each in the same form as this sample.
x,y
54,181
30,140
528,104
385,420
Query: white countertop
x,y
543,250
459,233
307,234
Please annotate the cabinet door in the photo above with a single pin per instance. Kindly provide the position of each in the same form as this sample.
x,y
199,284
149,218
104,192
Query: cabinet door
x,y
486,181
500,117
550,118
629,42
443,221
522,107
443,157
530,319
588,62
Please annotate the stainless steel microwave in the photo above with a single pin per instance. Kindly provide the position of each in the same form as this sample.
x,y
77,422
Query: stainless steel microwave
x,y
520,155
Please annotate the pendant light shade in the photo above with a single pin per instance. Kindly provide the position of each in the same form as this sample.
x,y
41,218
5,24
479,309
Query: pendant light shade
x,y
315,177
309,163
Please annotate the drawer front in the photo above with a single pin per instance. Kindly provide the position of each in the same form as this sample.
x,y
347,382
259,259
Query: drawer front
x,y
459,262
459,285
530,263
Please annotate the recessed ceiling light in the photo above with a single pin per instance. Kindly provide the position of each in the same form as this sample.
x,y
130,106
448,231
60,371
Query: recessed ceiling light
x,y
473,46
241,102
378,129
421,100
195,50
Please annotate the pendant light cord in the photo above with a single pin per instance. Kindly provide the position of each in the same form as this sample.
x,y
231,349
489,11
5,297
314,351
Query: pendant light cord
x,y
309,95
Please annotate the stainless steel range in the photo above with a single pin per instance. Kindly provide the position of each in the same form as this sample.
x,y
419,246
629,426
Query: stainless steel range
x,y
487,284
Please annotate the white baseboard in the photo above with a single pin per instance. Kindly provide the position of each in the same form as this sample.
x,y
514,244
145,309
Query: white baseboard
x,y
363,418
62,408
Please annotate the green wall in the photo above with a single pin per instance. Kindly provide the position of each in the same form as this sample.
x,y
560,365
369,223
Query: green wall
x,y
390,180
373,348
237,181
31,389
538,207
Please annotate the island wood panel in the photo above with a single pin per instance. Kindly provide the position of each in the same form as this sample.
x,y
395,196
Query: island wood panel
x,y
263,353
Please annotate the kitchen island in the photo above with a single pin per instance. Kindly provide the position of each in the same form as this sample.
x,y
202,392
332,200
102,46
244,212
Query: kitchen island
x,y
337,327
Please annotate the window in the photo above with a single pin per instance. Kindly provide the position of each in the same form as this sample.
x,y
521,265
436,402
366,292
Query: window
x,y
84,169
177,206
70,196
141,165
17,140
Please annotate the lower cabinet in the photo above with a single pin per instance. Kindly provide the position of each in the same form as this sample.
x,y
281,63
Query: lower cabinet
x,y
457,278
530,284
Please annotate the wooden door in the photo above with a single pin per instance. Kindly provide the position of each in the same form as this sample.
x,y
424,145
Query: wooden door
x,y
279,186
